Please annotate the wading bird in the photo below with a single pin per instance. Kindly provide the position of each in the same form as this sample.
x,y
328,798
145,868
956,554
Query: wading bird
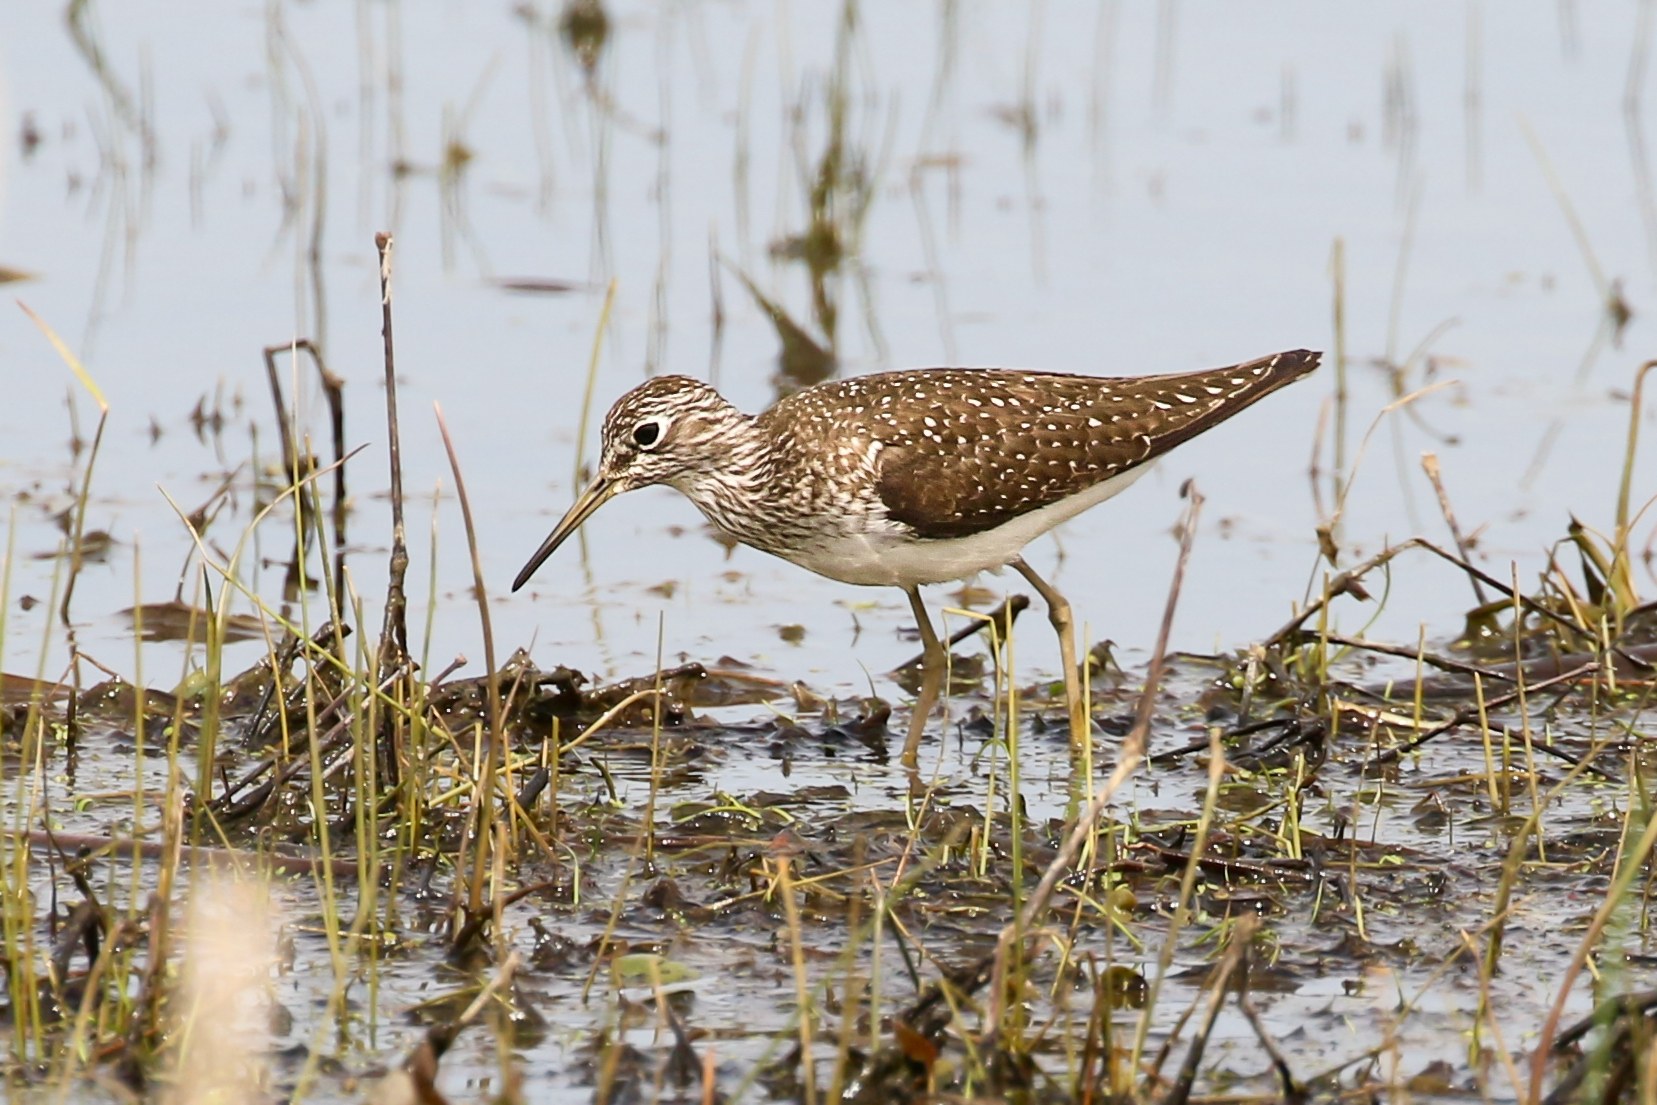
x,y
900,479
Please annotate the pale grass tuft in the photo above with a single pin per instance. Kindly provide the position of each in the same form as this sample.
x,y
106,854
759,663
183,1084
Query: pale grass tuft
x,y
223,1017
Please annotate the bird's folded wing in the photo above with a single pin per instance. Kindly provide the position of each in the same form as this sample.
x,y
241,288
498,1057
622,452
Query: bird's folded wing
x,y
1006,442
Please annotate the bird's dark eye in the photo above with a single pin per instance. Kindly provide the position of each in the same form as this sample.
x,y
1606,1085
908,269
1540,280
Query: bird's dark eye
x,y
646,433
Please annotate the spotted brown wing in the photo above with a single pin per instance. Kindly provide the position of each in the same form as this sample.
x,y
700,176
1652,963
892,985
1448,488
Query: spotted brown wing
x,y
967,450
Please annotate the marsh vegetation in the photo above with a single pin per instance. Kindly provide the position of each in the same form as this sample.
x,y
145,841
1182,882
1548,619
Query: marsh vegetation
x,y
298,805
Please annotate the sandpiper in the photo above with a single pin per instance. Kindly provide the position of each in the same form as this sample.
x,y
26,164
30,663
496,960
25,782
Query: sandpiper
x,y
901,479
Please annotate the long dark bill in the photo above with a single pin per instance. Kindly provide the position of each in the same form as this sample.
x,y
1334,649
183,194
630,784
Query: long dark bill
x,y
599,492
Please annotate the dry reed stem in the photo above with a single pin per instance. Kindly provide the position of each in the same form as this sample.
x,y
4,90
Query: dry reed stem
x,y
577,477
497,738
802,996
394,633
1236,955
1429,465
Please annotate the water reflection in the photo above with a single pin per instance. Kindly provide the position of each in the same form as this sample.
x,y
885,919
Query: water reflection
x,y
1122,190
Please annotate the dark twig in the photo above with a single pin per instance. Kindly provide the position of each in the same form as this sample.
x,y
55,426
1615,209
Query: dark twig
x,y
1470,713
296,763
1236,956
1293,1092
120,847
1507,592
394,636
1443,663
334,388
1346,583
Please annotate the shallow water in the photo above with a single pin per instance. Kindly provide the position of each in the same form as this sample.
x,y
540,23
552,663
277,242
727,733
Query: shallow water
x,y
1421,847
1110,188
1172,205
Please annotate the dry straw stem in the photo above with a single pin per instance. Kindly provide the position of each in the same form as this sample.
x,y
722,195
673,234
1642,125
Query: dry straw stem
x,y
75,537
485,793
578,476
1429,465
1236,955
1133,754
1487,1014
802,994
1620,550
394,634
1363,446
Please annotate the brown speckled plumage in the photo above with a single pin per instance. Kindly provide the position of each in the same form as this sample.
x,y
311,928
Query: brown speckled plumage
x,y
869,479
966,450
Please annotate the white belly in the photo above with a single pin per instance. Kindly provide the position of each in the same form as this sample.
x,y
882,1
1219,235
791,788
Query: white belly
x,y
887,560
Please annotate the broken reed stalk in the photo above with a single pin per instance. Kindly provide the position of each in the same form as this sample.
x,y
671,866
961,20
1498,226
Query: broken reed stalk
x,y
394,634
333,387
1133,754
1429,465
802,991
486,789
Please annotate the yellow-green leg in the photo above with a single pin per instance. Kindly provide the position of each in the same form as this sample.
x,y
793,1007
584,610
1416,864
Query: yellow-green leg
x,y
1058,612
932,676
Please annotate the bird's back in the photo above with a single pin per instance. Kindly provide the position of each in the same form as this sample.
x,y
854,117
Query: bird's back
x,y
955,452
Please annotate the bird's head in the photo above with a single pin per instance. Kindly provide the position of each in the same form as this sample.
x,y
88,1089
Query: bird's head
x,y
666,430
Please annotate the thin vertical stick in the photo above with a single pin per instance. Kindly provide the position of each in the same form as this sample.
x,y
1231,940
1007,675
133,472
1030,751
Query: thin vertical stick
x,y
802,996
486,789
1620,557
76,548
592,380
1337,270
1429,465
394,635
1497,805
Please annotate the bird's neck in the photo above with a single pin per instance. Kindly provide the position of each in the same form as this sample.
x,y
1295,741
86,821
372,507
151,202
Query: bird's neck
x,y
733,482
